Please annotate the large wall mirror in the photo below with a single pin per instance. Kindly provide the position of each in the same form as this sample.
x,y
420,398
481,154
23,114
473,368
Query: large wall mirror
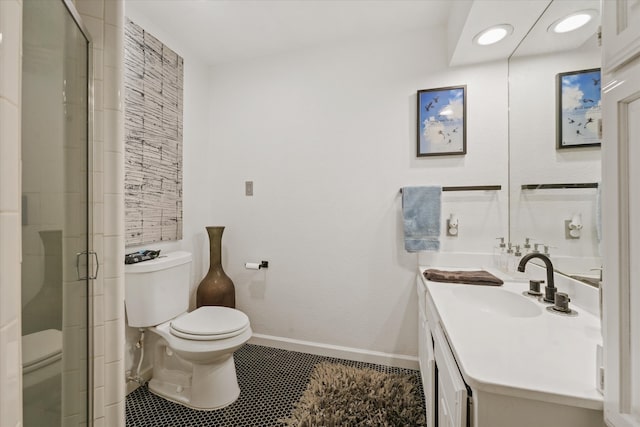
x,y
554,193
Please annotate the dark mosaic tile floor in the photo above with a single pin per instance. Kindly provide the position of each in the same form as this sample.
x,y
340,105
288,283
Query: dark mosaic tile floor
x,y
271,381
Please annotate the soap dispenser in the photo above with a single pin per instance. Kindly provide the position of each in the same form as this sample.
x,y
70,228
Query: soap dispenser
x,y
498,253
527,245
506,259
513,266
514,260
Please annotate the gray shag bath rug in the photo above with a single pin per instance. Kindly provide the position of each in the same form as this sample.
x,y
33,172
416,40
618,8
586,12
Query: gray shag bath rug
x,y
339,395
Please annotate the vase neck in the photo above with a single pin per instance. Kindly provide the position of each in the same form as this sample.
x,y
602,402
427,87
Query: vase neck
x,y
215,245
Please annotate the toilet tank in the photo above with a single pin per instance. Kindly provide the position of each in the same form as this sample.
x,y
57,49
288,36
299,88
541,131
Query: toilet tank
x,y
157,290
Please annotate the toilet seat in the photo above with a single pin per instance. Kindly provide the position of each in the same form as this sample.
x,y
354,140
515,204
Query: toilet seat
x,y
40,349
210,323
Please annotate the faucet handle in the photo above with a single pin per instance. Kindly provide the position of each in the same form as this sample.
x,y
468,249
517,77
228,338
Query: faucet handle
x,y
561,301
534,286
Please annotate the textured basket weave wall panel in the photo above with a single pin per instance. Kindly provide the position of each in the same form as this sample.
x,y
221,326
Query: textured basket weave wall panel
x,y
153,91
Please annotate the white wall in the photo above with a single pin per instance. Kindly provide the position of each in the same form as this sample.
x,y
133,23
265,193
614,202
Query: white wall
x,y
196,160
328,137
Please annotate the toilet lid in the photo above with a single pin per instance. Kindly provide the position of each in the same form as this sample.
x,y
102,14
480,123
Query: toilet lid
x,y
40,346
210,323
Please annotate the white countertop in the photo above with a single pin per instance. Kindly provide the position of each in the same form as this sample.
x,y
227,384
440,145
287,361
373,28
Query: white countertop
x,y
548,357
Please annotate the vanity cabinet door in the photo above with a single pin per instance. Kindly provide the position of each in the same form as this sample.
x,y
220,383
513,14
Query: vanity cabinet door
x,y
427,371
621,246
426,358
452,391
621,210
620,32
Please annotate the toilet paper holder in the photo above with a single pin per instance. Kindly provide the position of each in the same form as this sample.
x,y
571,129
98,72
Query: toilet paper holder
x,y
256,266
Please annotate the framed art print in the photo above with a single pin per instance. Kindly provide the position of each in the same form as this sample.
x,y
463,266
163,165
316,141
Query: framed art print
x,y
442,123
578,109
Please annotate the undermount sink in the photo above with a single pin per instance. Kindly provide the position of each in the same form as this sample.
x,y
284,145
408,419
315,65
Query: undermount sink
x,y
497,301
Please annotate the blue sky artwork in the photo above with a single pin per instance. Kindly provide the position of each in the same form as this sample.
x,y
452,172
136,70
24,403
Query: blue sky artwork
x,y
581,109
441,119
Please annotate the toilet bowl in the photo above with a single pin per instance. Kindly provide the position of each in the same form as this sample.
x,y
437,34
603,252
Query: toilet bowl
x,y
206,374
42,378
41,357
193,358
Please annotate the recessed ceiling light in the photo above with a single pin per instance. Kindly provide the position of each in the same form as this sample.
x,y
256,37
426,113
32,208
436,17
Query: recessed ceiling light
x,y
493,34
573,21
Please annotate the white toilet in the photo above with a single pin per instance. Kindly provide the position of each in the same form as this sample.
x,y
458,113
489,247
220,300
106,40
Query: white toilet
x,y
193,359
41,357
42,377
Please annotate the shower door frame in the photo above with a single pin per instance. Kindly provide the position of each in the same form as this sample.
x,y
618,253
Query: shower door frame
x,y
90,204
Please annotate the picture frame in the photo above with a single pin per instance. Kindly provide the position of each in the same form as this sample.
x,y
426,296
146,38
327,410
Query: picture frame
x,y
442,121
578,109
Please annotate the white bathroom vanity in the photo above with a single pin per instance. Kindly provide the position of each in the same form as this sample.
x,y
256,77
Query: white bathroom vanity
x,y
492,357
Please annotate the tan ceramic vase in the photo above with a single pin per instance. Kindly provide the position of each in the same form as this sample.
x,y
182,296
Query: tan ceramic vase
x,y
216,288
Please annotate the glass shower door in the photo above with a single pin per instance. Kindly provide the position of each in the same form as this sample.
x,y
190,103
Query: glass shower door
x,y
55,226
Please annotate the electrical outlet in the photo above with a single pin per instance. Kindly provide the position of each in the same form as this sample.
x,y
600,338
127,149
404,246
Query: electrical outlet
x,y
248,188
452,231
567,231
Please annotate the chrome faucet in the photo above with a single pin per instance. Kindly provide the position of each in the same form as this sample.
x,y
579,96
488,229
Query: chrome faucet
x,y
550,289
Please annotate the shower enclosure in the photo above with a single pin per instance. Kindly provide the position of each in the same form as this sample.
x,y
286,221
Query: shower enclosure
x,y
57,262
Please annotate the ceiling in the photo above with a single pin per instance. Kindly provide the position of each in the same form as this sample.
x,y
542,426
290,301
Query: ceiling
x,y
540,41
482,14
220,31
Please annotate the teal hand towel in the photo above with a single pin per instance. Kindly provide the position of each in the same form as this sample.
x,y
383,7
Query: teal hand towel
x,y
421,207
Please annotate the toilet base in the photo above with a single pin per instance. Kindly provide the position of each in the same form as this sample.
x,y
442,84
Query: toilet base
x,y
201,387
42,402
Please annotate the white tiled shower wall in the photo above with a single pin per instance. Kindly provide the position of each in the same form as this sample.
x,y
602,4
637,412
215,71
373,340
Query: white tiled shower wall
x,y
104,21
10,242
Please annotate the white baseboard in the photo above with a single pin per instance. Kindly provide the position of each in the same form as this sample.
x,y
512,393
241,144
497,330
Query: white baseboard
x,y
328,350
